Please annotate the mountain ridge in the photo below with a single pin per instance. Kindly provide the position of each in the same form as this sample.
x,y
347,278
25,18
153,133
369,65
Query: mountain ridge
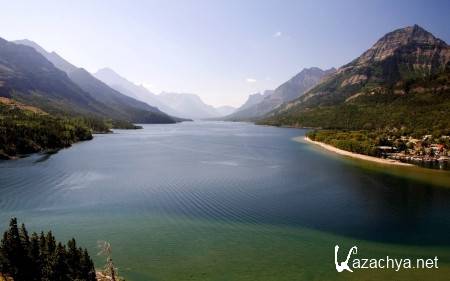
x,y
176,104
395,82
119,106
26,75
295,87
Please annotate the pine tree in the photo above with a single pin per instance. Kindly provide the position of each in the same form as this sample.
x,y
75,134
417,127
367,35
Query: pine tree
x,y
26,262
44,258
60,270
24,236
14,252
74,259
87,267
4,261
41,258
51,243
36,258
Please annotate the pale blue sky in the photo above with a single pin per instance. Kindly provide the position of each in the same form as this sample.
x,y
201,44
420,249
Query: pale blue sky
x,y
221,50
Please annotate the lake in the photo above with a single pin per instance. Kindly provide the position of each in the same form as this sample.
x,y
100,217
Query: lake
x,y
230,201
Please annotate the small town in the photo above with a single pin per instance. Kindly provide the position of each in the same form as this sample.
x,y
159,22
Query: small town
x,y
426,151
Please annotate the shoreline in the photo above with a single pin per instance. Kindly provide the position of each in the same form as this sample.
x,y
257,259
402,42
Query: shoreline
x,y
354,155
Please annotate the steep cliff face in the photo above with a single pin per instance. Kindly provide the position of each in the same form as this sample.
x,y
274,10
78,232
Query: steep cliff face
x,y
401,79
402,54
421,48
387,67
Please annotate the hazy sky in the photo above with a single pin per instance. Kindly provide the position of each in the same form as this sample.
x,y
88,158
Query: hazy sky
x,y
222,50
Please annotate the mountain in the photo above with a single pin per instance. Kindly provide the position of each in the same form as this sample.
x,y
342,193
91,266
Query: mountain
x,y
53,57
299,84
254,99
139,92
403,80
131,109
188,105
225,110
119,106
291,89
28,77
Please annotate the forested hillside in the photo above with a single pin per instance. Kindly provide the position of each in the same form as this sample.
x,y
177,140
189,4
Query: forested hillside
x,y
25,129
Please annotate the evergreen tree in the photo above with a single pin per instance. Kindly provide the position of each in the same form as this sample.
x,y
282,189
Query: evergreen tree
x,y
51,243
60,270
4,262
87,267
41,258
44,258
13,251
36,258
74,259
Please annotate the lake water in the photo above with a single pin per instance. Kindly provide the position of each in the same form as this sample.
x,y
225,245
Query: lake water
x,y
230,201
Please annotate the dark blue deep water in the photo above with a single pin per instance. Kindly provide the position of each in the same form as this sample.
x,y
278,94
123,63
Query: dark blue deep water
x,y
224,173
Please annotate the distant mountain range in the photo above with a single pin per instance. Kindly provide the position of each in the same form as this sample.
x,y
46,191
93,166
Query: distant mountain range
x,y
35,77
254,99
188,105
121,84
402,81
259,105
176,104
225,110
128,101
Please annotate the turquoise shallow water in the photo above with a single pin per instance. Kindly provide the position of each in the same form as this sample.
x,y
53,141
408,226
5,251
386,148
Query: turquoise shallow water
x,y
228,201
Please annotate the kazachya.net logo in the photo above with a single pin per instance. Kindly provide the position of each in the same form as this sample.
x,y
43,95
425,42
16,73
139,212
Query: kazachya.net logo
x,y
350,262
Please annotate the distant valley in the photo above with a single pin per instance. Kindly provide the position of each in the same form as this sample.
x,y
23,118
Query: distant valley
x,y
398,86
259,104
177,104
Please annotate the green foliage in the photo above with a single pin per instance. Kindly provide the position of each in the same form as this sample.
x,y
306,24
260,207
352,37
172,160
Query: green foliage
x,y
421,113
40,257
362,142
367,141
117,124
23,131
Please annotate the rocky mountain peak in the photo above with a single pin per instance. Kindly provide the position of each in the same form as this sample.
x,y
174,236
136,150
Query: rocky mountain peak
x,y
393,41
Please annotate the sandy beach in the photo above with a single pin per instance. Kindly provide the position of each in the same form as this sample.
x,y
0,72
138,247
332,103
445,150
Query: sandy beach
x,y
351,154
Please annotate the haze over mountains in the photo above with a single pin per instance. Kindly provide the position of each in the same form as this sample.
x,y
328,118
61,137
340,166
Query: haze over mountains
x,y
124,96
45,80
188,105
225,110
254,99
259,104
177,104
121,84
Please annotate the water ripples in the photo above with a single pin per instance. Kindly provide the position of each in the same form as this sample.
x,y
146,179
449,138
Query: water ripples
x,y
225,175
